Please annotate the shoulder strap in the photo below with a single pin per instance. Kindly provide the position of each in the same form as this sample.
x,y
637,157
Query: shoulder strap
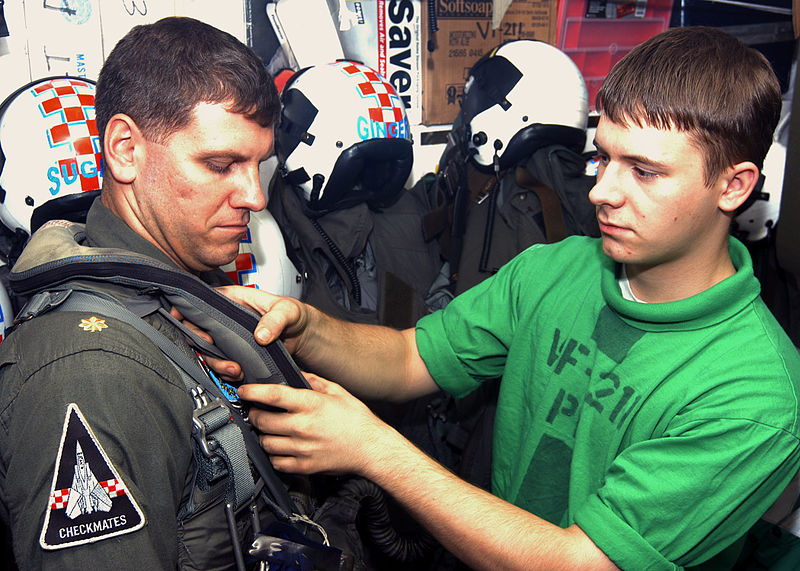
x,y
218,426
232,325
554,227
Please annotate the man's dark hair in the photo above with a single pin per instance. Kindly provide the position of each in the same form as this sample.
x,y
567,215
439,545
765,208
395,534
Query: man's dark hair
x,y
705,82
157,73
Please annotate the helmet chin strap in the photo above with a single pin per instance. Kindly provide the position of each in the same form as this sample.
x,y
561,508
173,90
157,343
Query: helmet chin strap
x,y
316,187
498,144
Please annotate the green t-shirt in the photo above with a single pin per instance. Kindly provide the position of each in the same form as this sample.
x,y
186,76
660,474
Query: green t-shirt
x,y
663,430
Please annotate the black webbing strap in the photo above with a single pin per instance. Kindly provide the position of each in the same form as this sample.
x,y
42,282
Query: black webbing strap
x,y
97,303
554,227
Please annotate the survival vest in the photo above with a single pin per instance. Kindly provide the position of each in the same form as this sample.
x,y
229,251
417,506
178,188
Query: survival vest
x,y
482,220
57,272
361,264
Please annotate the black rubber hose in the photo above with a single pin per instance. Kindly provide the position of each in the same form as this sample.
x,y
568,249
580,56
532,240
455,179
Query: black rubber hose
x,y
337,253
374,516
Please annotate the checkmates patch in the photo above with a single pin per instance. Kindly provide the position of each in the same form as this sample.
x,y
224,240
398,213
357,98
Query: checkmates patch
x,y
88,500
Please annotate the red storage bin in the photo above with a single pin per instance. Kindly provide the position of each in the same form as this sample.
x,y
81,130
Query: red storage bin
x,y
597,33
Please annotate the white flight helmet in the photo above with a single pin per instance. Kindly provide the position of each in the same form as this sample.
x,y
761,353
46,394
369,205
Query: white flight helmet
x,y
262,262
760,212
50,156
523,95
343,137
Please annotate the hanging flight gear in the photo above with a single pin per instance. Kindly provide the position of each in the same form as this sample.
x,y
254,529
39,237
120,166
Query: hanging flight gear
x,y
512,174
360,264
352,229
513,171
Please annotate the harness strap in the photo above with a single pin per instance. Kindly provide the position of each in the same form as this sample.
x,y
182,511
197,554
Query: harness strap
x,y
554,226
193,338
206,416
213,425
219,437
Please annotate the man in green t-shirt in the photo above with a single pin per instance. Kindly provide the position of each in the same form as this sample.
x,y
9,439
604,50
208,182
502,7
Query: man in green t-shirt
x,y
648,408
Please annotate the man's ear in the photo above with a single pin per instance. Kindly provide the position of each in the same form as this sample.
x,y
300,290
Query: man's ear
x,y
119,144
739,181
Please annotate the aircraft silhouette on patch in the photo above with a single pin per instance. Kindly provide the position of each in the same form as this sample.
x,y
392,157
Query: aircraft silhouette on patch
x,y
88,499
86,495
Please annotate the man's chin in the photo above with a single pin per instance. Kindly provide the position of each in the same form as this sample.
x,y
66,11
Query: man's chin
x,y
222,256
229,258
614,250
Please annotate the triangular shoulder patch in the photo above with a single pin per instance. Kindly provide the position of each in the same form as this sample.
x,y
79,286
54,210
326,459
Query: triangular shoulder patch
x,y
88,499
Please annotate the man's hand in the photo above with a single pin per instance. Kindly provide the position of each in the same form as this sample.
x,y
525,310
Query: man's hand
x,y
228,371
373,362
327,430
281,317
324,430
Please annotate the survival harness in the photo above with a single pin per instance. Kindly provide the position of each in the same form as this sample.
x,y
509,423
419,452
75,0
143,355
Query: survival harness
x,y
360,263
224,441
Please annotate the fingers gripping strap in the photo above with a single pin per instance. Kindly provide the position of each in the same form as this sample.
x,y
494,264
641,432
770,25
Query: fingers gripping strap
x,y
195,340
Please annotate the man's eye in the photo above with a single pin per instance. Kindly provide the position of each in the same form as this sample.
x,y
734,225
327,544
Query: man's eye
x,y
219,168
644,174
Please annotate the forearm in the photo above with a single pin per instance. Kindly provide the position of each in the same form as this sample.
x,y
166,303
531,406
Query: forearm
x,y
373,362
482,530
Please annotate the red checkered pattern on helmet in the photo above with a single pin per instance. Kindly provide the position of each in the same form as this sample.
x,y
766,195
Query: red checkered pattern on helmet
x,y
389,108
366,88
83,146
72,110
245,264
77,128
51,105
59,134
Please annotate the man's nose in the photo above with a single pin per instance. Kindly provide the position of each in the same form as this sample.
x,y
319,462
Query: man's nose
x,y
606,189
249,193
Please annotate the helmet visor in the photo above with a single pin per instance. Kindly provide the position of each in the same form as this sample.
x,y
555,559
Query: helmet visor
x,y
492,81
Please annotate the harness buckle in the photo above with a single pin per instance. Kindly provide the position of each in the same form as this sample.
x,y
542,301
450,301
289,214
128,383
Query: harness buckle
x,y
208,415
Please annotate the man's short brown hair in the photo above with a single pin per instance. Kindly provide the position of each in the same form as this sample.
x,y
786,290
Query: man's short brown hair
x,y
158,73
705,82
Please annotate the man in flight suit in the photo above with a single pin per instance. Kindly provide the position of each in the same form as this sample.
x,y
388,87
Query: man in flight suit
x,y
185,115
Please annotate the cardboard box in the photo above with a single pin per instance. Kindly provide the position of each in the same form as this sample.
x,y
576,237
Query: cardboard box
x,y
465,34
